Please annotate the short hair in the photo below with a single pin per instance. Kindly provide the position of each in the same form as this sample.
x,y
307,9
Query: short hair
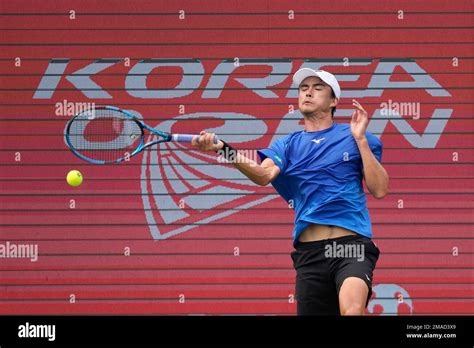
x,y
333,110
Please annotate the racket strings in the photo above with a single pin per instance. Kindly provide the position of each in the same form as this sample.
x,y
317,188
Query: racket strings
x,y
104,135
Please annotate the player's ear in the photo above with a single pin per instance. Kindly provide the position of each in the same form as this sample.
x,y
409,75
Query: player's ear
x,y
334,102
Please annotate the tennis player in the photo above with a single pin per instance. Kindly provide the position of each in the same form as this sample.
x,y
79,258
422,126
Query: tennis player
x,y
320,171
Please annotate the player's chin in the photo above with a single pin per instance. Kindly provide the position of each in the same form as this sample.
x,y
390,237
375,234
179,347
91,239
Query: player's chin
x,y
307,109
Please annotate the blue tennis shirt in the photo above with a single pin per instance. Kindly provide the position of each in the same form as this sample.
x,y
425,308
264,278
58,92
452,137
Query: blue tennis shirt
x,y
321,176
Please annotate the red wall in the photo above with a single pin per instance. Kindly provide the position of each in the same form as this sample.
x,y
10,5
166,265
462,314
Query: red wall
x,y
423,227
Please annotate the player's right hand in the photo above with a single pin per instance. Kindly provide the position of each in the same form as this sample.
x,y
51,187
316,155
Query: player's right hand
x,y
205,142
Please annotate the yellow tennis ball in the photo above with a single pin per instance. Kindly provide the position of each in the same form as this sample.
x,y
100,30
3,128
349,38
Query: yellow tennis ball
x,y
74,178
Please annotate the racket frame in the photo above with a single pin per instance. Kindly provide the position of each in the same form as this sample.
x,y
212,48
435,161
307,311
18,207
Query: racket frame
x,y
141,146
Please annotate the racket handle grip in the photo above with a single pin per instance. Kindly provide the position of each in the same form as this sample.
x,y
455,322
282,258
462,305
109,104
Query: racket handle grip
x,y
187,138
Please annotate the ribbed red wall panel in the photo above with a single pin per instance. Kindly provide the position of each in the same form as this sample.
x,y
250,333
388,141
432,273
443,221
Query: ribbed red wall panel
x,y
227,250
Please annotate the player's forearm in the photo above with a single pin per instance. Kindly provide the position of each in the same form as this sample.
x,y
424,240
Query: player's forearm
x,y
261,174
375,175
252,170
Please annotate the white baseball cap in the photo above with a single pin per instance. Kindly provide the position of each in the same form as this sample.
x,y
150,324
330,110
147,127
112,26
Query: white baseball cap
x,y
328,78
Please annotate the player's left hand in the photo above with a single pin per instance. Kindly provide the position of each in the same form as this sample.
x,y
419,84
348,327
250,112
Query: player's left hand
x,y
359,121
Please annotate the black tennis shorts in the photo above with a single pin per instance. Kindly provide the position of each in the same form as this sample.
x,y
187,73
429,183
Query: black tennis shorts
x,y
322,266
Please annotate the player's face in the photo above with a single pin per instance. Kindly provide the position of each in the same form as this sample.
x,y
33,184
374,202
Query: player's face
x,y
315,96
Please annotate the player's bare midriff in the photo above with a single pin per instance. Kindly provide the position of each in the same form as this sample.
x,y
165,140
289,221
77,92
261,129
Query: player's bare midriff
x,y
316,232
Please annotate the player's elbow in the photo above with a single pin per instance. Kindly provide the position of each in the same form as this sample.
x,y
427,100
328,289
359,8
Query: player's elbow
x,y
262,181
263,174
264,178
379,194
379,189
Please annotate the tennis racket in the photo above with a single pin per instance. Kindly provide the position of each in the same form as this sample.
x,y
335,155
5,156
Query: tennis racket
x,y
106,134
